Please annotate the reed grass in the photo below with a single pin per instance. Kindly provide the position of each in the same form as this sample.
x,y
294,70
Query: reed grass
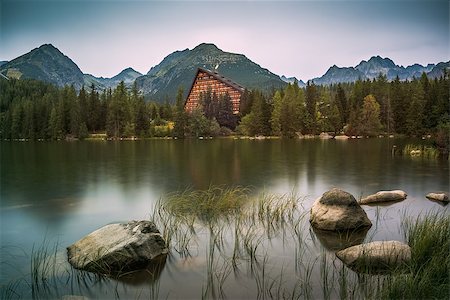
x,y
420,151
429,270
237,228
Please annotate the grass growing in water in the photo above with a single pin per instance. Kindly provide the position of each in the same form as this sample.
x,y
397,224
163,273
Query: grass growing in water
x,y
209,204
429,277
240,235
420,151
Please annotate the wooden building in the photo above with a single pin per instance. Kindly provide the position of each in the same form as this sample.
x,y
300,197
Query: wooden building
x,y
220,85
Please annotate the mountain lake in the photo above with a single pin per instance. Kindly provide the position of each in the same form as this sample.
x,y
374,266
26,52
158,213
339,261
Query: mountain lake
x,y
54,193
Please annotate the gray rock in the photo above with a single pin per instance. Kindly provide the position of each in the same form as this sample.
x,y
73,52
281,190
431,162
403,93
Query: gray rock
x,y
384,196
440,196
338,210
376,257
117,248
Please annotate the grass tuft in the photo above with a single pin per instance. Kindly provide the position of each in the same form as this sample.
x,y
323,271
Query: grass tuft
x,y
420,151
429,270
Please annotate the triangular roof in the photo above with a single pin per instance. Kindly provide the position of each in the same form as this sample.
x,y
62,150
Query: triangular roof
x,y
219,77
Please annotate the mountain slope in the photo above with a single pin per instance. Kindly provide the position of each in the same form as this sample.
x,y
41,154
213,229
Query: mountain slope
x,y
179,68
45,63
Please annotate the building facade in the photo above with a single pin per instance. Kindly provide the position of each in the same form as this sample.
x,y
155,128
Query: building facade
x,y
205,79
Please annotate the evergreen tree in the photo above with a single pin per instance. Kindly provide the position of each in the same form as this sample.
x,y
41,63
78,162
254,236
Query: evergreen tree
x,y
84,106
311,103
275,120
17,121
245,105
292,111
342,104
415,113
117,112
380,90
224,114
56,122
75,118
399,105
181,117
93,113
257,121
28,126
370,117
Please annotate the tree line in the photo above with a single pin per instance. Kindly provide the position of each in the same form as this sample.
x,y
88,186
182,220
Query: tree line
x,y
35,110
366,108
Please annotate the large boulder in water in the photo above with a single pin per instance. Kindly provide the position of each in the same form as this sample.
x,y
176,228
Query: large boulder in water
x,y
384,196
376,257
117,248
338,210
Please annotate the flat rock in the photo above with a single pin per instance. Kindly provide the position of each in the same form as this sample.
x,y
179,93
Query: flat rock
x,y
439,196
338,210
376,257
117,248
384,196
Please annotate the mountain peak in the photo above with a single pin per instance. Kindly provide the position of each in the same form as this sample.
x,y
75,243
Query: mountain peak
x,y
48,46
46,63
129,70
385,62
179,68
206,46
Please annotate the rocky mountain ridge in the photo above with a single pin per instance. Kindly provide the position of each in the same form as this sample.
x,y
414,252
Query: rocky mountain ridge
x,y
375,66
178,69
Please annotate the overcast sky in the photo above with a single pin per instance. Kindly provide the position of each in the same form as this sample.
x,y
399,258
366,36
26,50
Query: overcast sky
x,y
292,38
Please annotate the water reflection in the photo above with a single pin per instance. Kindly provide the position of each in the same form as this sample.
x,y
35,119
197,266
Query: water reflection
x,y
339,240
149,275
67,190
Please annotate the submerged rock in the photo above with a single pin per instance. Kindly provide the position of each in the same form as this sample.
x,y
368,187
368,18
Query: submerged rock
x,y
338,210
384,196
376,257
440,196
117,248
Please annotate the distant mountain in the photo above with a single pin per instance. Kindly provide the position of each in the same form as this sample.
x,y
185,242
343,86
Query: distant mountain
x,y
45,63
415,71
179,69
438,70
128,76
336,74
376,66
48,64
291,80
372,68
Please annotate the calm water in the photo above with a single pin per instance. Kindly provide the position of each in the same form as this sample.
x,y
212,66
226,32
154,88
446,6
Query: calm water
x,y
62,191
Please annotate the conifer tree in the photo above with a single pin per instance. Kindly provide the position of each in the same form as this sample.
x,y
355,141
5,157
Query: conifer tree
x,y
181,118
370,117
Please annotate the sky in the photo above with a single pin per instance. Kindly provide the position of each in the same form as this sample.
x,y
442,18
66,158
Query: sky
x,y
292,38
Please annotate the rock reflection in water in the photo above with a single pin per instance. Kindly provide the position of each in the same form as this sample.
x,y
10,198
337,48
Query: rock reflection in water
x,y
338,240
150,274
